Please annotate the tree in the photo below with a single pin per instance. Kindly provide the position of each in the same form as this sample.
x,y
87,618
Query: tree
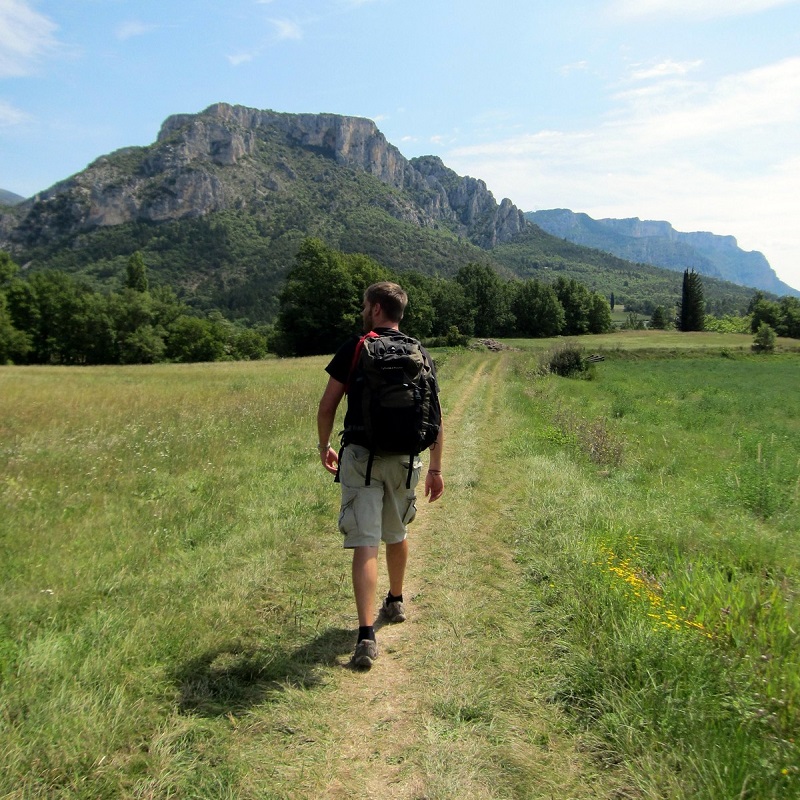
x,y
14,344
486,296
451,308
599,314
319,306
789,324
136,276
191,339
576,301
536,309
693,308
762,310
659,320
764,340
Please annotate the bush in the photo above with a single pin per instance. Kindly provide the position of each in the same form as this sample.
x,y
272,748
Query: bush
x,y
764,340
566,361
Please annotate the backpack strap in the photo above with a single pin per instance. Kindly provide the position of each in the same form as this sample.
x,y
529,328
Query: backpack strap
x,y
356,354
353,365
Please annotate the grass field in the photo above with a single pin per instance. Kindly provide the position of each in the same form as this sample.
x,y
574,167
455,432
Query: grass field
x,y
604,604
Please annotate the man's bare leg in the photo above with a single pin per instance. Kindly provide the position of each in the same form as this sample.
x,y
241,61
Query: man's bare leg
x,y
396,560
365,583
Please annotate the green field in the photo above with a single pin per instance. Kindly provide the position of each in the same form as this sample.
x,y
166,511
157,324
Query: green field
x,y
604,604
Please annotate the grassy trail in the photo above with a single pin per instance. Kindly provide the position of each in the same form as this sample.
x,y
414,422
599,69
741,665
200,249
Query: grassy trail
x,y
452,707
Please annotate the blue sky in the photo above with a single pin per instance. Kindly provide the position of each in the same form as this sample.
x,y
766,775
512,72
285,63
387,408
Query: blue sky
x,y
681,110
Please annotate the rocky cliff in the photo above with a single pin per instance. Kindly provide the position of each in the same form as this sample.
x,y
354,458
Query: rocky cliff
x,y
220,159
657,242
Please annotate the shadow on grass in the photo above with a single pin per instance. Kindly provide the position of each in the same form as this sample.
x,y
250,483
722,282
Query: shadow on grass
x,y
235,677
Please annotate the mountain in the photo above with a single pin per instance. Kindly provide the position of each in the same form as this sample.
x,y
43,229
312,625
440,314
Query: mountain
x,y
221,201
658,243
219,204
9,198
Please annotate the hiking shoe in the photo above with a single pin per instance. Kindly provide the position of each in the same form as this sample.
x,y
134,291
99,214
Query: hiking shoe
x,y
366,652
394,611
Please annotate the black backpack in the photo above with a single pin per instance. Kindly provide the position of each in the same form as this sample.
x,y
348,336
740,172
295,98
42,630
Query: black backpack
x,y
399,402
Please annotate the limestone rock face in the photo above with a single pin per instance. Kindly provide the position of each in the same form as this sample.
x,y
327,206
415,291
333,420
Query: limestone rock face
x,y
200,163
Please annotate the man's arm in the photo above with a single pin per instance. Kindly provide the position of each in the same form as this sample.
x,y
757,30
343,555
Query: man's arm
x,y
326,414
434,483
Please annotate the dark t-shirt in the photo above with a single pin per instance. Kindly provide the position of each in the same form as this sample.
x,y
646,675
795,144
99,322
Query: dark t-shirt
x,y
339,369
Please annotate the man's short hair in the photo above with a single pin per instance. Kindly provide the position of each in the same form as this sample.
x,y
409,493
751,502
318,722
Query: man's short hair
x,y
391,297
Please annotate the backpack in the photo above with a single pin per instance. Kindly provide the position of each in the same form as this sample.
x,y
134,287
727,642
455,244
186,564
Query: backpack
x,y
399,403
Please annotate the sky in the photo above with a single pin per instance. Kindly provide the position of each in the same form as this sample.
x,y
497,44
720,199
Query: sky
x,y
680,110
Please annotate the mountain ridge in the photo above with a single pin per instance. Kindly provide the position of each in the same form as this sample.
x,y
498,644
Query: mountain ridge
x,y
657,242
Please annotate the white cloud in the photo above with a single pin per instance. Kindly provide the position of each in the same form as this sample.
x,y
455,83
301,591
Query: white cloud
x,y
287,29
241,58
696,9
131,28
663,69
26,36
11,116
763,99
577,66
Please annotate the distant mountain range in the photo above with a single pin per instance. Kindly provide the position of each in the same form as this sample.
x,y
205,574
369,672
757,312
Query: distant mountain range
x,y
219,204
658,243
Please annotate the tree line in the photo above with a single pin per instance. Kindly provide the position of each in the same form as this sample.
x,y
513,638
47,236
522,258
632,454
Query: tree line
x,y
52,317
320,304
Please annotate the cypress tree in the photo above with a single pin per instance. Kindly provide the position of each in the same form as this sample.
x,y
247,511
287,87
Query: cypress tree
x,y
693,306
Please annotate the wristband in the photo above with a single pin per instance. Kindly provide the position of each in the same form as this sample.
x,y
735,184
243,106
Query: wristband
x,y
323,448
434,472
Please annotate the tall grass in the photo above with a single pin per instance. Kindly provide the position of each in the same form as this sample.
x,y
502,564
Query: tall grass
x,y
160,546
667,580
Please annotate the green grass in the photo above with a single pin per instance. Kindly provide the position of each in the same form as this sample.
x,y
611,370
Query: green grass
x,y
668,575
175,601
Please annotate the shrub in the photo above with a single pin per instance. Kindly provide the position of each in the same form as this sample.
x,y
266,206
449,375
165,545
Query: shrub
x,y
764,340
566,361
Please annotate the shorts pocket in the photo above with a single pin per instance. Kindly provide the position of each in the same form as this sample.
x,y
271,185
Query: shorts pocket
x,y
411,511
347,514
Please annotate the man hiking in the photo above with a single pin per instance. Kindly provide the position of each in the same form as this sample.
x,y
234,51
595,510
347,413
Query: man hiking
x,y
389,381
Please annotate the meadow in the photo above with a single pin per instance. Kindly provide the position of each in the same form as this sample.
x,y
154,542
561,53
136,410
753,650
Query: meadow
x,y
604,604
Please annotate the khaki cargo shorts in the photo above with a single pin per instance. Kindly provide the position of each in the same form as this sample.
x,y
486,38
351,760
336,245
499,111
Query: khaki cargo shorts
x,y
380,511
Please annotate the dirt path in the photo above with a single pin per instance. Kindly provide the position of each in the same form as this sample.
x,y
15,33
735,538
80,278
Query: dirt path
x,y
388,696
452,707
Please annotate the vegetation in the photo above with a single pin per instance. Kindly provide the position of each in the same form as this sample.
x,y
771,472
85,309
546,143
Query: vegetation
x,y
477,303
54,318
175,619
783,316
764,340
692,314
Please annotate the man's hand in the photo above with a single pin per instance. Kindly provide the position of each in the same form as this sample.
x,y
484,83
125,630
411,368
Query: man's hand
x,y
434,485
330,460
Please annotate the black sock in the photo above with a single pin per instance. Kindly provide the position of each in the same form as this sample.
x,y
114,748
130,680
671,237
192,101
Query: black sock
x,y
390,598
366,632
